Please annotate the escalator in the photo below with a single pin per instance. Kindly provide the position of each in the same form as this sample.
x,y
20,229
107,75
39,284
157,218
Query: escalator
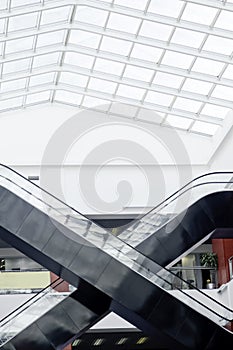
x,y
84,254
185,220
50,319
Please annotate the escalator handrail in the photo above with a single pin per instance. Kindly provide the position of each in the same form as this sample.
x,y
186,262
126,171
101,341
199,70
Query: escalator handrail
x,y
24,306
185,191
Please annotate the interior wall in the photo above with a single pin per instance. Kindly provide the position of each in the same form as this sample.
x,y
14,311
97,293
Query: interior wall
x,y
100,164
32,129
116,189
222,159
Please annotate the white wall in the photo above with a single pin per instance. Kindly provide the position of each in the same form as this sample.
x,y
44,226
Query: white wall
x,y
149,185
108,164
222,160
25,134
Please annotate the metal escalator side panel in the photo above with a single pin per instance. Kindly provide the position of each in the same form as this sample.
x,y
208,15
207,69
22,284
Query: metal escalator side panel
x,y
189,227
61,324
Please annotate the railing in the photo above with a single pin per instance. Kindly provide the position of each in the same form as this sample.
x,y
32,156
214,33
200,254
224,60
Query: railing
x,y
192,275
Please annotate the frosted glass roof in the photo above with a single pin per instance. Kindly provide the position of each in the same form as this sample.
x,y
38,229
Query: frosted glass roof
x,y
173,57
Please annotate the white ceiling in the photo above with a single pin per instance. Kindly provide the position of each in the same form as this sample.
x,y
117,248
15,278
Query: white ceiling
x,y
173,57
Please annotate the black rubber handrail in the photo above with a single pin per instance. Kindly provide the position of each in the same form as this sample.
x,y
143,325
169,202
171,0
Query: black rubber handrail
x,y
24,306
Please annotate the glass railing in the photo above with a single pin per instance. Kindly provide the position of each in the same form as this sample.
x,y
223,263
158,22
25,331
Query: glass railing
x,y
193,275
120,250
30,311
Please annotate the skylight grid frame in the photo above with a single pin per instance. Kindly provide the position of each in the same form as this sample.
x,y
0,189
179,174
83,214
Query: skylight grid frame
x,y
34,46
122,59
97,50
110,98
68,26
124,81
128,82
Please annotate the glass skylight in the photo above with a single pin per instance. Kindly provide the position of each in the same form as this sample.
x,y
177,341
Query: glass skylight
x,y
165,62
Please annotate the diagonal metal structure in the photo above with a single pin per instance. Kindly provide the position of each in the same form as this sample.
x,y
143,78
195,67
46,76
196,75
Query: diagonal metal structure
x,y
173,57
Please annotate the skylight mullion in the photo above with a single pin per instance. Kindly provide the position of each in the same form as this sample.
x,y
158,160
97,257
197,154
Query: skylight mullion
x,y
27,82
6,26
97,51
190,126
202,106
160,61
219,77
1,70
173,102
170,108
125,66
9,5
191,66
155,71
62,55
38,21
145,11
34,47
205,38
226,65
142,102
110,104
213,3
198,115
203,41
131,50
132,47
